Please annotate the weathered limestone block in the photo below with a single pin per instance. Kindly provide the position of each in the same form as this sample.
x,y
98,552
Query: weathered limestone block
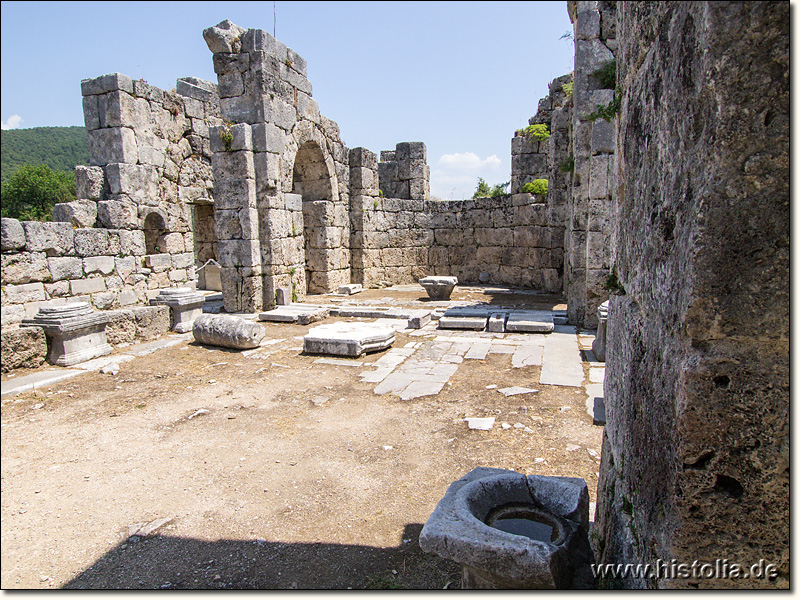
x,y
79,287
65,267
23,348
151,321
24,267
89,182
107,83
91,242
78,213
113,145
225,37
348,339
56,239
227,331
23,293
116,214
185,306
12,235
76,332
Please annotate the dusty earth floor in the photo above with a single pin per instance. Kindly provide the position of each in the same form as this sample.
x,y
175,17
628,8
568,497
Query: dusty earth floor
x,y
294,474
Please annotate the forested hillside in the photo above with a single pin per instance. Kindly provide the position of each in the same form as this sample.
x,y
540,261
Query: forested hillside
x,y
60,148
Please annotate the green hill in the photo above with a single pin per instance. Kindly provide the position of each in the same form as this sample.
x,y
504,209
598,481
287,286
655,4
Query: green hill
x,y
60,148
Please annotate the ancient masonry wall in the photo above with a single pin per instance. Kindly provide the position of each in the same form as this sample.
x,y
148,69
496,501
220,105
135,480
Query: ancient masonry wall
x,y
130,231
404,172
695,461
588,220
281,174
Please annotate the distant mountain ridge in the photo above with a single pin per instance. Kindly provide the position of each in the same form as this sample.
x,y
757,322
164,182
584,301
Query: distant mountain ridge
x,y
60,148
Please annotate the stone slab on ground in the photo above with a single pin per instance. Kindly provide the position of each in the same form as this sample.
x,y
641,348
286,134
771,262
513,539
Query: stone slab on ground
x,y
349,289
98,363
516,391
530,321
348,339
561,362
595,405
302,314
150,347
473,323
338,362
527,356
34,381
480,423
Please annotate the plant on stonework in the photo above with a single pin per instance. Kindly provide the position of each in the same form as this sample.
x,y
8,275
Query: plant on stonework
x,y
567,88
539,131
608,111
567,165
374,204
227,138
613,284
537,187
292,271
484,190
606,76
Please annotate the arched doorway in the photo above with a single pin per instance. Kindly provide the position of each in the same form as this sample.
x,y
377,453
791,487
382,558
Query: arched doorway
x,y
310,179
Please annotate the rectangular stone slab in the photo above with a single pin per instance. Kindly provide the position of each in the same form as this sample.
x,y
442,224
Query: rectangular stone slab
x,y
531,321
295,313
473,323
347,339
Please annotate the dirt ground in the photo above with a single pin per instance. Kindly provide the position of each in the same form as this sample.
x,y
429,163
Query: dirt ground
x,y
199,467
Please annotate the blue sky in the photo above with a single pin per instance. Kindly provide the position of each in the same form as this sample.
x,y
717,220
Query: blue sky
x,y
459,76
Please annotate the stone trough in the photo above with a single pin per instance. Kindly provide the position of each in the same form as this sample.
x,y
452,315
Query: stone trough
x,y
509,531
439,287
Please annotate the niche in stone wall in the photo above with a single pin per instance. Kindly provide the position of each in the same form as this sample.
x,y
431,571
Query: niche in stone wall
x,y
312,181
155,228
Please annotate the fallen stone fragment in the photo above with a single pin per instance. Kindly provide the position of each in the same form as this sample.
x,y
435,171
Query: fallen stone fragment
x,y
199,412
481,423
506,425
572,447
111,369
348,339
349,289
227,331
516,390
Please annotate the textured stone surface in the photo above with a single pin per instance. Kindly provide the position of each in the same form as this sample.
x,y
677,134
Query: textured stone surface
x,y
24,348
79,213
347,339
695,460
12,235
495,559
227,331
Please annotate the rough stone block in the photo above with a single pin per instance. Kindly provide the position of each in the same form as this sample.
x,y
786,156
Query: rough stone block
x,y
79,213
603,137
23,348
117,214
348,339
136,181
24,267
232,165
91,242
12,235
151,321
94,285
89,182
283,296
107,83
53,238
65,268
98,264
114,145
224,38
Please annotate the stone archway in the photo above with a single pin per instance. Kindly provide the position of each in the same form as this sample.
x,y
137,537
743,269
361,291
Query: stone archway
x,y
311,180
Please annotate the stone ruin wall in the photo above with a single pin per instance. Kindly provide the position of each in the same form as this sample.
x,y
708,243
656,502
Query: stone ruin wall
x,y
588,216
695,459
130,232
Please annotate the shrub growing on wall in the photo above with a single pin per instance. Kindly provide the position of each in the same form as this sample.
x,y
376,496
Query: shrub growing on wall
x,y
32,190
537,187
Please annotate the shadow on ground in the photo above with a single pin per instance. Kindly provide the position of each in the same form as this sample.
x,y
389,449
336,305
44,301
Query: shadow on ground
x,y
164,562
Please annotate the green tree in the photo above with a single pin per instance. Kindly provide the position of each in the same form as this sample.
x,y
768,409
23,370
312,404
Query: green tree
x,y
484,190
32,190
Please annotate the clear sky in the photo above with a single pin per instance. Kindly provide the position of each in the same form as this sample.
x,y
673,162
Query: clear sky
x,y
459,76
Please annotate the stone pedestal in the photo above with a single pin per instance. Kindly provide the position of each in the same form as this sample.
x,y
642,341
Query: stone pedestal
x,y
76,332
438,288
599,343
185,305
